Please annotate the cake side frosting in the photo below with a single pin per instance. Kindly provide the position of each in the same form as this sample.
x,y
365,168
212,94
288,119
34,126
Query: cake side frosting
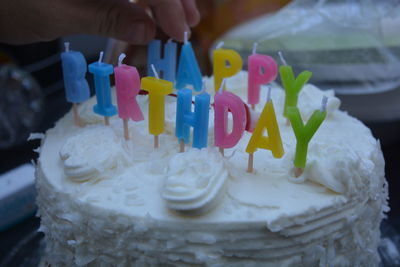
x,y
112,202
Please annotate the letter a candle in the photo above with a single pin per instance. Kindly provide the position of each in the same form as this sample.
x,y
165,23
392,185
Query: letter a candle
x,y
157,89
222,57
273,142
304,133
291,84
127,84
188,68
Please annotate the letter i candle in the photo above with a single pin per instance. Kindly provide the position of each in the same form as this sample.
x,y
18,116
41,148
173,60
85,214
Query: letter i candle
x,y
127,84
102,72
76,86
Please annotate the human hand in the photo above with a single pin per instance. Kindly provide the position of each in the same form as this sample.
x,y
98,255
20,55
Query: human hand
x,y
28,21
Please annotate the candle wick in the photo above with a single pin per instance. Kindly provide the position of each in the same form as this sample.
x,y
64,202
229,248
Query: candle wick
x,y
255,47
101,57
324,103
269,93
220,45
221,88
66,45
154,71
186,37
282,58
121,58
203,87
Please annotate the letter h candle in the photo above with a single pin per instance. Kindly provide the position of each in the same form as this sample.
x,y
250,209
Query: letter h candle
x,y
167,64
198,119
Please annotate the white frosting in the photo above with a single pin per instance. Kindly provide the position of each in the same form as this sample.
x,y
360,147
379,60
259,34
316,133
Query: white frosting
x,y
111,204
91,154
195,180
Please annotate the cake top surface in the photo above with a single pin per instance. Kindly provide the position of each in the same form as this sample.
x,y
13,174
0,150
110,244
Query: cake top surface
x,y
95,166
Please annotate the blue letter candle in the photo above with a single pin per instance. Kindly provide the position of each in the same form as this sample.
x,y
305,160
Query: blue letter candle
x,y
74,70
188,69
101,72
198,119
167,64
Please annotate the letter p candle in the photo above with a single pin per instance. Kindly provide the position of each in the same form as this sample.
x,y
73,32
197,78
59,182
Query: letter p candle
x,y
263,69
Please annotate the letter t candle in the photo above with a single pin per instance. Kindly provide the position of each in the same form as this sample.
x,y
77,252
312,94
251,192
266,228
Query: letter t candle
x,y
157,89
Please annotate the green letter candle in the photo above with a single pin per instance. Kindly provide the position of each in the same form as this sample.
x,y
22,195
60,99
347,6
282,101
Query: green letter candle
x,y
292,85
304,133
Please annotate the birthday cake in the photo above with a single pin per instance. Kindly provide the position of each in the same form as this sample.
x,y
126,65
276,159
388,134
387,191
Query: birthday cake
x,y
105,201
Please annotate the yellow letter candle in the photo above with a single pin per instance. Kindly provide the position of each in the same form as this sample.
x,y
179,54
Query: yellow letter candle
x,y
157,89
304,133
227,62
273,142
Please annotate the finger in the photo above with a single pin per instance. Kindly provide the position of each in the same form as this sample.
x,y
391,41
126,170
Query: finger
x,y
119,19
43,20
191,12
170,14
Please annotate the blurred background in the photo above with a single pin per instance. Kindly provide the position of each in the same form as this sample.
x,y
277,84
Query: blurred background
x,y
350,46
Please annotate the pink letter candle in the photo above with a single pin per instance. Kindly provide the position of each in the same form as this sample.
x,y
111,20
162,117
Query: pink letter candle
x,y
262,70
225,102
127,83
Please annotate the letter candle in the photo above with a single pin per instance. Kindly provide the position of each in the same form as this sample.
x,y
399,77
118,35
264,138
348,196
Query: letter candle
x,y
102,72
291,84
304,133
127,84
188,69
157,89
262,70
76,86
225,102
167,64
198,119
273,142
226,63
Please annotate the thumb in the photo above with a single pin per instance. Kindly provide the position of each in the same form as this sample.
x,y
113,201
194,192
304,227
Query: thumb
x,y
117,19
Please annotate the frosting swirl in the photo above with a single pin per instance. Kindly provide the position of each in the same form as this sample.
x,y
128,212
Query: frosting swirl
x,y
90,153
194,181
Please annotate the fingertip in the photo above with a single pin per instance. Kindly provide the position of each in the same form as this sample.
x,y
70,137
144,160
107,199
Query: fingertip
x,y
194,19
192,14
